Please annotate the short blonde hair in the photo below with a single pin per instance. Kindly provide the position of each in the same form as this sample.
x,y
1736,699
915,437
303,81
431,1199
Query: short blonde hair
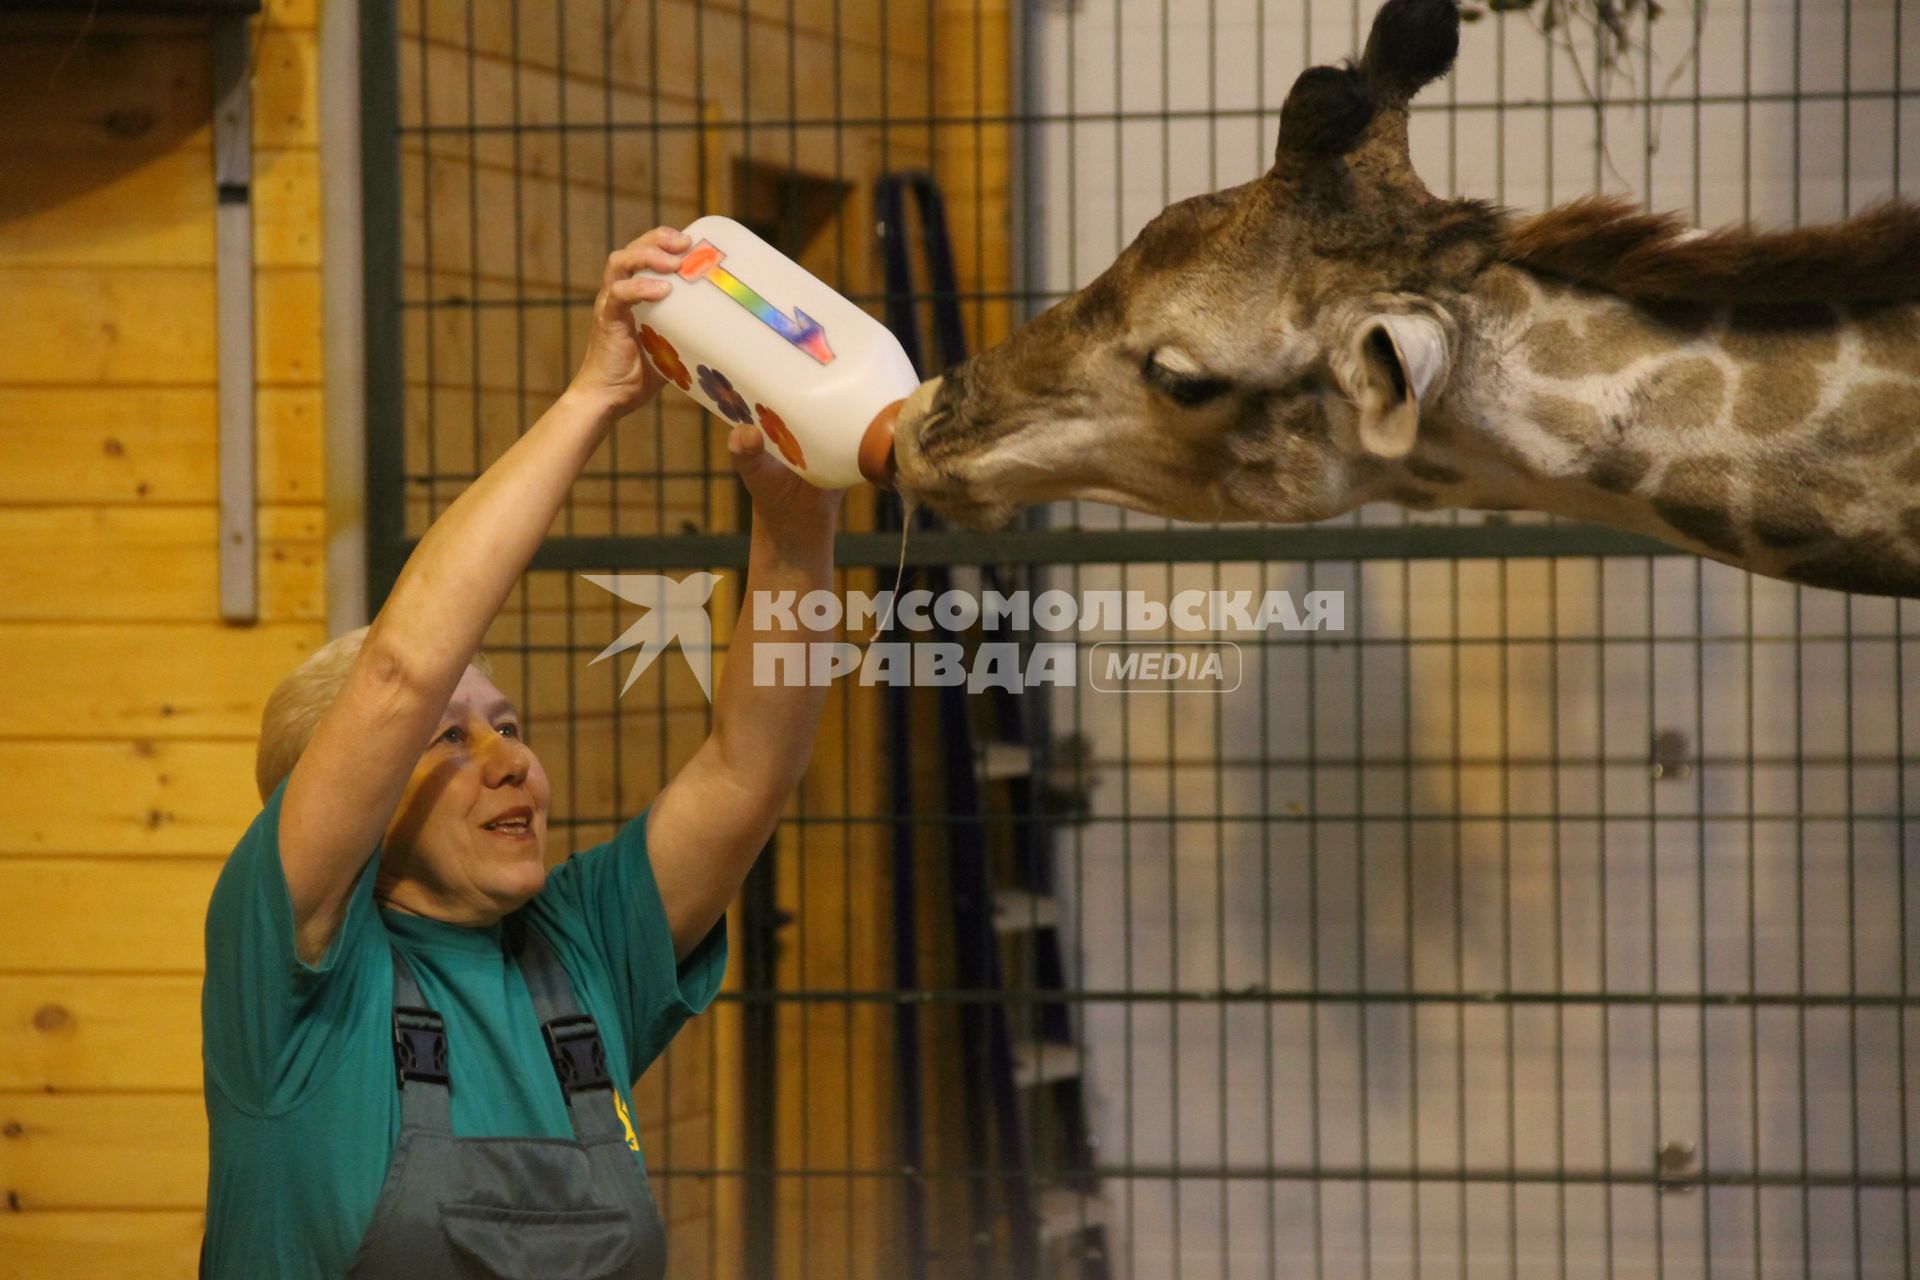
x,y
296,704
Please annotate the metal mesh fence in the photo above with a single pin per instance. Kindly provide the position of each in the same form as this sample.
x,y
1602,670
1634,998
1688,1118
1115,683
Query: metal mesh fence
x,y
1548,919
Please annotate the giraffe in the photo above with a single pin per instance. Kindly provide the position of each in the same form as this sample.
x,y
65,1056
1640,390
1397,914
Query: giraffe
x,y
1331,334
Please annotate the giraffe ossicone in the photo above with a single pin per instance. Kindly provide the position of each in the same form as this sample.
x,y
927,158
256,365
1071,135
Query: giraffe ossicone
x,y
1331,333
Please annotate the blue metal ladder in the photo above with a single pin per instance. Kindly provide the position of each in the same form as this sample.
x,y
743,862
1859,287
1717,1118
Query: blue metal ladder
x,y
1021,1082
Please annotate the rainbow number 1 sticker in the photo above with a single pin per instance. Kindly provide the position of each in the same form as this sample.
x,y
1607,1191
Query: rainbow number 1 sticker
x,y
802,330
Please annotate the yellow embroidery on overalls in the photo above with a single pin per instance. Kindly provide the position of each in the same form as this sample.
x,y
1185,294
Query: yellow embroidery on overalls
x,y
626,1121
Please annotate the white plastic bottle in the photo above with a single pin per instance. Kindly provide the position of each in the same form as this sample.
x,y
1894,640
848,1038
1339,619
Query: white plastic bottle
x,y
755,337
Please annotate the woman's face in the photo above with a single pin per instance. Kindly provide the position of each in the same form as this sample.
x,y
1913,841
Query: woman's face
x,y
446,854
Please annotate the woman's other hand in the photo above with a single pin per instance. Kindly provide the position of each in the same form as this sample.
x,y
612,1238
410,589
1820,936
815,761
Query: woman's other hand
x,y
615,372
796,513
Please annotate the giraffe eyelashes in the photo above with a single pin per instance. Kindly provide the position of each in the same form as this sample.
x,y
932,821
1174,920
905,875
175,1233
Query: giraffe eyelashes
x,y
1188,390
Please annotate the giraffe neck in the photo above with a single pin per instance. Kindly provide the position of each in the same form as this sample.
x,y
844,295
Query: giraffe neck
x,y
1781,440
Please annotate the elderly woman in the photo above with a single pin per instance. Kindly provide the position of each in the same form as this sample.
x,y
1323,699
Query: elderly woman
x,y
418,1037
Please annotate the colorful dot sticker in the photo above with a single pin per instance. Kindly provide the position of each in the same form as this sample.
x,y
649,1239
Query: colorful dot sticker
x,y
665,359
730,404
776,428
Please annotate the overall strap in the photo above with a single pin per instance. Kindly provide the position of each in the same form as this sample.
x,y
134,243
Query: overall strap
x,y
573,1040
419,1055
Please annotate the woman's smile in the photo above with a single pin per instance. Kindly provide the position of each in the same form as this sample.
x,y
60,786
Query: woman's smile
x,y
515,821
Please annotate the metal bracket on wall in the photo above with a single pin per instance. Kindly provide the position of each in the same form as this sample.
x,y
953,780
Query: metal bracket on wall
x,y
233,270
1677,1167
1672,756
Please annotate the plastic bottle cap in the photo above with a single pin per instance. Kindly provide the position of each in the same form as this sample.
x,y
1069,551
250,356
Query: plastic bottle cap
x,y
876,446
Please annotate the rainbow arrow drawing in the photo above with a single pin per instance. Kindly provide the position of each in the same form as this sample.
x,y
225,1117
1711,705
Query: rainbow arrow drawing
x,y
802,330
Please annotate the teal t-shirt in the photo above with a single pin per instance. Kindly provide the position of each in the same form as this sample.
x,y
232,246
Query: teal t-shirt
x,y
302,1109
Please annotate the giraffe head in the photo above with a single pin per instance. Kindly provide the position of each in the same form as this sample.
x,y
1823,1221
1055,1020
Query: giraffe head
x,y
1263,352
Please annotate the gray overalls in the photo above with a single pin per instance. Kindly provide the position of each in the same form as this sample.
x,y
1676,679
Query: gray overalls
x,y
520,1208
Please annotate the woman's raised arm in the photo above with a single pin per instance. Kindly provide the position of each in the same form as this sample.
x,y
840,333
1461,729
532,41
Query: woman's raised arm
x,y
709,823
349,780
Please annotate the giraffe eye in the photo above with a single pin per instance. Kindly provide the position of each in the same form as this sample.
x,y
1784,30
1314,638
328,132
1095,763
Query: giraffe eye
x,y
1188,390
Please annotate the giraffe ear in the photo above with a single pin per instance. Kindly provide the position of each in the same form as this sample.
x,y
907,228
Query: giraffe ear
x,y
1395,362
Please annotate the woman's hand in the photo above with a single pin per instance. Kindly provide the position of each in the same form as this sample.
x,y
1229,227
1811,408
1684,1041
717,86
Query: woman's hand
x,y
615,372
797,514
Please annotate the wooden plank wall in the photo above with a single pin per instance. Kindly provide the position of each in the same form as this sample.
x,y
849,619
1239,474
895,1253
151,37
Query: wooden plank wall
x,y
127,749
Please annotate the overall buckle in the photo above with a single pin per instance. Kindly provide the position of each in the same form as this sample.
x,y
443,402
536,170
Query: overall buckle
x,y
419,1046
579,1058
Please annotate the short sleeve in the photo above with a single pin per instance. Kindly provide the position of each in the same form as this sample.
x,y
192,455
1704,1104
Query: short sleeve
x,y
611,890
263,1009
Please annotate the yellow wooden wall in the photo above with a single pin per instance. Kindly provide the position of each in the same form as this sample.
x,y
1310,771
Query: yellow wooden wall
x,y
126,746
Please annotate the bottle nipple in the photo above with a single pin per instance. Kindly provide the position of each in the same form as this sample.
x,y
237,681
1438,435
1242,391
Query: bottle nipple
x,y
876,446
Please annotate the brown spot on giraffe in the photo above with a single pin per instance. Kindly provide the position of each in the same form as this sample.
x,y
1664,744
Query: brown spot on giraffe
x,y
1804,330
1433,472
1890,338
1620,468
1776,397
1565,418
1682,320
1787,520
1555,350
1872,563
1795,472
1439,428
1501,295
1874,419
1619,335
1696,497
1685,395
1610,340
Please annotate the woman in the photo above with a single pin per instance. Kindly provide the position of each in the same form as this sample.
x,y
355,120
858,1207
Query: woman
x,y
418,1040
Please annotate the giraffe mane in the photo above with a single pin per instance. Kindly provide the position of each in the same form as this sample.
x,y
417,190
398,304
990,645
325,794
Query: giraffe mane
x,y
1606,243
